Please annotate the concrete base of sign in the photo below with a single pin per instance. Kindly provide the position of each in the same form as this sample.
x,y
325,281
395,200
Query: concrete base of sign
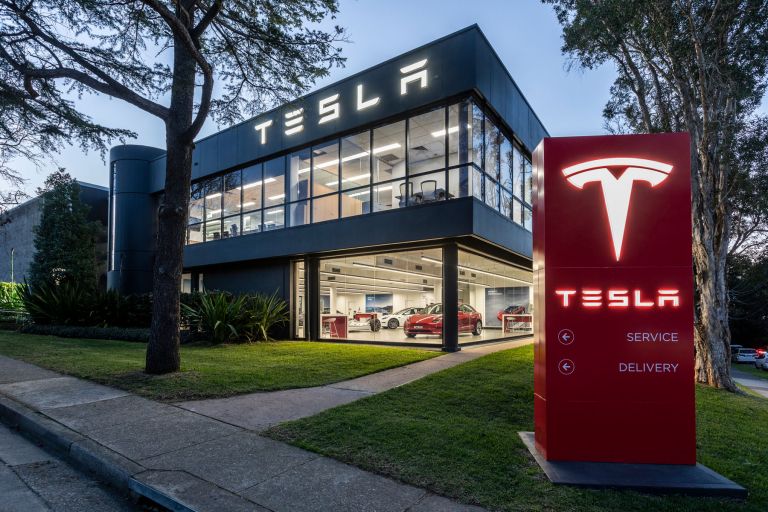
x,y
651,478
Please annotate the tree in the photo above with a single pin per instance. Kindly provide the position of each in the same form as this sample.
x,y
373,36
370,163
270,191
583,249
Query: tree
x,y
749,214
748,294
65,240
260,51
684,65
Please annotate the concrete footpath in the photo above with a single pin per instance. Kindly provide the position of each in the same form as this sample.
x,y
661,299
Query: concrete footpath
x,y
208,455
756,384
34,480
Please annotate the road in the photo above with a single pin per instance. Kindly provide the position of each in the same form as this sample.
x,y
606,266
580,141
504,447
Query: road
x,y
32,480
756,384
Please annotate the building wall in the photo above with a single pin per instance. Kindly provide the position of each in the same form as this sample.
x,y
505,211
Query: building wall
x,y
17,232
266,278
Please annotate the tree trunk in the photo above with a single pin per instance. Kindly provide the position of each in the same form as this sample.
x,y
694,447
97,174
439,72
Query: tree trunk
x,y
163,349
712,335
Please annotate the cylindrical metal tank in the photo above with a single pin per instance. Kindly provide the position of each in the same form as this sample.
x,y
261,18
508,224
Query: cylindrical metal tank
x,y
132,218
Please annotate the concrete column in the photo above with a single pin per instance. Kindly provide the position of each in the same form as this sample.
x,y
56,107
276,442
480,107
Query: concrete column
x,y
451,298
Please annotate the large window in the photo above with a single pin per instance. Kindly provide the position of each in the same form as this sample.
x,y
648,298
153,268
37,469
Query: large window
x,y
497,295
447,152
426,142
393,297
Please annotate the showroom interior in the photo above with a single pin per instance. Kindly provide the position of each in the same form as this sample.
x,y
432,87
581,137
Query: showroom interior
x,y
396,298
405,222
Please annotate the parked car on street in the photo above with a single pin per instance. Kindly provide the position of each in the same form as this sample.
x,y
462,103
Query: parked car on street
x,y
430,321
761,360
396,319
744,355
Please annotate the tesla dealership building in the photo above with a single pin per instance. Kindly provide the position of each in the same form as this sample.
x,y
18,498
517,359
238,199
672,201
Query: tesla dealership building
x,y
393,206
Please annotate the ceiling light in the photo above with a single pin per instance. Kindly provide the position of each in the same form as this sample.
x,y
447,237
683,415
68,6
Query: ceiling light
x,y
363,193
258,183
469,269
278,196
274,212
351,178
249,203
213,196
452,129
402,283
395,145
365,265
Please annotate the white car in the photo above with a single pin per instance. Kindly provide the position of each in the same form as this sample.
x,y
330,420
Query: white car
x,y
395,320
745,355
761,360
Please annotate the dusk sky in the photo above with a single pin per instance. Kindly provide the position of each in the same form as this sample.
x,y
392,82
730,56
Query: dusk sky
x,y
525,34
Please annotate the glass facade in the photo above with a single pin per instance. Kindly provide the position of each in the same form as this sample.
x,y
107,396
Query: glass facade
x,y
502,294
373,297
448,152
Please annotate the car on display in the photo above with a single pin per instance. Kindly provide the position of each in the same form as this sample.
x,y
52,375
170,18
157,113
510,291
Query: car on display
x,y
430,321
364,322
744,355
511,310
395,320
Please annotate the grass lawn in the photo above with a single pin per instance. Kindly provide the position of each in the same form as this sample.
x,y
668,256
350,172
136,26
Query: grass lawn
x,y
751,371
208,371
455,432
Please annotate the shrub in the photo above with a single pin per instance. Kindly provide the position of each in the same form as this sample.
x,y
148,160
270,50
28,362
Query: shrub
x,y
220,316
110,308
90,332
11,296
266,313
67,303
223,318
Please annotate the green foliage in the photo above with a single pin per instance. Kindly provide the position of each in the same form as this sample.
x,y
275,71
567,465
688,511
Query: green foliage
x,y
70,303
65,248
267,312
748,304
11,296
67,303
219,316
223,318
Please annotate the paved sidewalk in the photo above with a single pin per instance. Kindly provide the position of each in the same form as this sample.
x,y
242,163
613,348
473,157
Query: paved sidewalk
x,y
215,460
759,386
33,480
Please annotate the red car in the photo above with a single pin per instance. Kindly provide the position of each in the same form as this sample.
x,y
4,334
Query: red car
x,y
431,321
511,310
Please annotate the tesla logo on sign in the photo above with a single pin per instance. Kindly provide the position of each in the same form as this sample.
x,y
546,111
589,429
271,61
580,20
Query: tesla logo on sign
x,y
617,191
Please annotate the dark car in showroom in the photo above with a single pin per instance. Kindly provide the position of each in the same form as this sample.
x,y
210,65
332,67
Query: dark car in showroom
x,y
430,321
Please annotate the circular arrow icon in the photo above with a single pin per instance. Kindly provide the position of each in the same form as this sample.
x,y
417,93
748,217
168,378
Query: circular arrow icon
x,y
566,366
566,336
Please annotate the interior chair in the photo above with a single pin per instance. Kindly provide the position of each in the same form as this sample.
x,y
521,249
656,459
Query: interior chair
x,y
406,191
429,191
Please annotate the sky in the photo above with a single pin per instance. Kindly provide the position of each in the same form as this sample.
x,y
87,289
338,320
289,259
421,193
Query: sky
x,y
524,33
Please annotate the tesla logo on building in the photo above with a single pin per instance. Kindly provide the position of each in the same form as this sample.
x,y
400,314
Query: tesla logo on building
x,y
329,109
617,191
